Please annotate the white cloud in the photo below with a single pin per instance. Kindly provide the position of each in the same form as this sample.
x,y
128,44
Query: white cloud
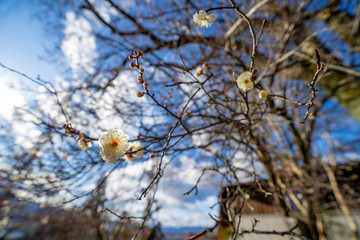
x,y
189,214
177,209
9,98
79,45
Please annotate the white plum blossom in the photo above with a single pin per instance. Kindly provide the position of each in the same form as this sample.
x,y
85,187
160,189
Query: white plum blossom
x,y
113,144
244,81
134,147
84,144
202,19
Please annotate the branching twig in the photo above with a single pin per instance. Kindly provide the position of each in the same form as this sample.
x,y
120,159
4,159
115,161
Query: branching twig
x,y
43,83
118,216
251,28
158,171
206,231
310,103
290,232
196,184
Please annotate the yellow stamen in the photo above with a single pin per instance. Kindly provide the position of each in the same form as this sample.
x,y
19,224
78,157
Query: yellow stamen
x,y
114,143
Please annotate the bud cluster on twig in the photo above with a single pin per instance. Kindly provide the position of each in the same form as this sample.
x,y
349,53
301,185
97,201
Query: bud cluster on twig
x,y
135,56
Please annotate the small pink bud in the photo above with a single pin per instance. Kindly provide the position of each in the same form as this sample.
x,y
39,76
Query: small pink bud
x,y
140,79
132,57
133,65
138,137
145,84
141,70
152,155
206,66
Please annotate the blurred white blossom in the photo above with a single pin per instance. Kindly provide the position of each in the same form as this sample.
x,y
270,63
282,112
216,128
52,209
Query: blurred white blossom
x,y
202,19
84,144
133,148
199,71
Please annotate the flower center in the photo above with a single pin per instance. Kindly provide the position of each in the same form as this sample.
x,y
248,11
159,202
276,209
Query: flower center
x,y
114,143
246,81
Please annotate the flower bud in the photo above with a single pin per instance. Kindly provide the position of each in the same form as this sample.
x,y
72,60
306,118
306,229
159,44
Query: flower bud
x,y
152,155
263,94
140,94
140,79
206,66
199,71
82,135
138,137
145,84
133,65
139,54
141,70
132,57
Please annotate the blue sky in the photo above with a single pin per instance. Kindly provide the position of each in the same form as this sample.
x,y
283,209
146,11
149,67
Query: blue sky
x,y
22,39
22,45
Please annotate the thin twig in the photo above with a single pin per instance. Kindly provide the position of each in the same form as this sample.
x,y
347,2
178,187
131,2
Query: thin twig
x,y
158,171
43,83
118,216
290,232
310,104
206,231
248,14
251,28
